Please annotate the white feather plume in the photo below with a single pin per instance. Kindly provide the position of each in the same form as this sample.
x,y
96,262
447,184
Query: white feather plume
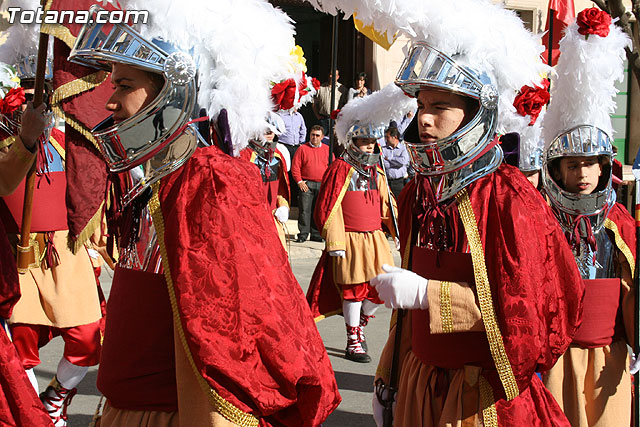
x,y
376,109
487,36
583,90
21,39
240,47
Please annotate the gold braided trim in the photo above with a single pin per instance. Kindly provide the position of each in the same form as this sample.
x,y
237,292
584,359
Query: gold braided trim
x,y
621,244
77,86
71,121
483,287
92,225
489,413
338,201
445,307
335,243
7,141
226,409
57,146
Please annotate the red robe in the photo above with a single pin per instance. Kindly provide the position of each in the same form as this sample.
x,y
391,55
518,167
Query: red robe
x,y
244,316
535,286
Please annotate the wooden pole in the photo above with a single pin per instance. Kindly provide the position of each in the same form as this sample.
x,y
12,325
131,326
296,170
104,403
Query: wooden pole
x,y
24,249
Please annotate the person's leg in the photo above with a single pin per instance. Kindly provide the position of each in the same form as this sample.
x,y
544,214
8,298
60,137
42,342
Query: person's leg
x,y
368,310
314,188
25,339
305,214
293,186
81,350
354,350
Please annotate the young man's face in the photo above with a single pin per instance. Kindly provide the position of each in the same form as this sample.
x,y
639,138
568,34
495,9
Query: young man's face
x,y
441,113
133,89
366,145
391,140
579,175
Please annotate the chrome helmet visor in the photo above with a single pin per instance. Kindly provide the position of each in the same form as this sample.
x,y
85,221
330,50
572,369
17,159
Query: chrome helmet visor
x,y
427,68
133,141
359,159
581,141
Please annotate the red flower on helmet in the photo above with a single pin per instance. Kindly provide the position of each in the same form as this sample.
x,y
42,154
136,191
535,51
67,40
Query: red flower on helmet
x,y
335,113
12,100
316,83
594,21
531,100
284,93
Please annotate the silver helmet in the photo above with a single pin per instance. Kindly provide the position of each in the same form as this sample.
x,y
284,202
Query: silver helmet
x,y
427,67
581,141
354,155
160,137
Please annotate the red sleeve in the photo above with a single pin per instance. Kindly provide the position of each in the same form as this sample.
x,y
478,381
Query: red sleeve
x,y
9,285
296,164
535,284
332,182
245,318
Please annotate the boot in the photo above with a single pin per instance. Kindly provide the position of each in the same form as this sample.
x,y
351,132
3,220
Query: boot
x,y
364,320
56,400
354,350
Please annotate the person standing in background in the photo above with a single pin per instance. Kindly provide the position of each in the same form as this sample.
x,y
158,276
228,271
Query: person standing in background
x,y
360,90
396,160
309,164
322,102
294,136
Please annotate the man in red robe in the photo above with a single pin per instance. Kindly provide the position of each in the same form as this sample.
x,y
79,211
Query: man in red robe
x,y
207,324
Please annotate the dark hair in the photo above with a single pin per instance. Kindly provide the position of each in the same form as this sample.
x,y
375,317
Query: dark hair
x,y
393,132
317,127
361,75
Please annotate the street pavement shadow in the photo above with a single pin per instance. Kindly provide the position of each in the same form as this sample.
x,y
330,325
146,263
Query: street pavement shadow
x,y
355,382
340,418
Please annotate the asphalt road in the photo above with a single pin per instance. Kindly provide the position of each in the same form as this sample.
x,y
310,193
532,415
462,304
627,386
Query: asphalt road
x,y
355,380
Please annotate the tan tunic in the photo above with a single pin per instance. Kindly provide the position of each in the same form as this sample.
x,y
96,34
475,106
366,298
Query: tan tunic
x,y
593,386
63,296
365,252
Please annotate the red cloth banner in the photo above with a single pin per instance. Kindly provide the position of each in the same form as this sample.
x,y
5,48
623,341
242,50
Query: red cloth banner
x,y
564,13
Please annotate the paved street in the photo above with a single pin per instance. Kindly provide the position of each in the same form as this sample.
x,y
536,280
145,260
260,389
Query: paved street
x,y
355,380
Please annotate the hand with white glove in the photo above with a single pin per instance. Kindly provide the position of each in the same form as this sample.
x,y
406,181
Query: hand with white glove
x,y
634,366
341,254
378,408
400,288
397,242
282,214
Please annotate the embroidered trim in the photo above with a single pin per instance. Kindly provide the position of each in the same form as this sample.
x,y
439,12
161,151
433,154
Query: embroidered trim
x,y
37,256
57,30
445,307
7,141
77,86
489,413
483,287
75,243
335,243
57,146
338,201
225,408
621,244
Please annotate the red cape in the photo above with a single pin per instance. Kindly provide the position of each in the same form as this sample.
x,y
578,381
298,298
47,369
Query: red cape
x,y
257,345
626,226
535,286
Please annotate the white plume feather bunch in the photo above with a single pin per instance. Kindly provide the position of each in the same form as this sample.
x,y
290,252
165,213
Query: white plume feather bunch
x,y
477,33
583,90
530,142
241,46
21,39
376,110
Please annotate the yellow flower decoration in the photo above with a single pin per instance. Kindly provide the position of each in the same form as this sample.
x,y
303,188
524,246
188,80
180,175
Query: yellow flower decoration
x,y
298,58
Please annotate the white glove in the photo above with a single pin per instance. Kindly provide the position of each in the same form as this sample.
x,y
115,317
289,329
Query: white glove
x,y
397,242
634,366
282,214
378,409
93,253
341,254
400,288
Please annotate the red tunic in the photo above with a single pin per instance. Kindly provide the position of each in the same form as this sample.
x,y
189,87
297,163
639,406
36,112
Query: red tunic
x,y
243,313
535,286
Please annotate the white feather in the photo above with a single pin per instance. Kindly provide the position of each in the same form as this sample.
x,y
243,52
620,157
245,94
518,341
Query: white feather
x,y
376,109
21,39
583,90
487,36
241,46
